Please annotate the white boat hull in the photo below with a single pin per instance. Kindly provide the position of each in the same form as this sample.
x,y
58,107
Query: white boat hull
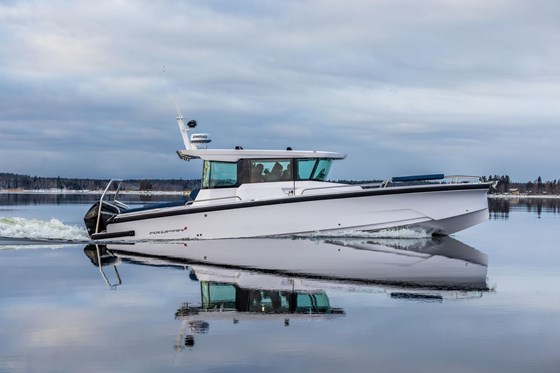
x,y
441,209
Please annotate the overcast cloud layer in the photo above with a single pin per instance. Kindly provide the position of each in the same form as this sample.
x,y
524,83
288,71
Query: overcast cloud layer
x,y
401,86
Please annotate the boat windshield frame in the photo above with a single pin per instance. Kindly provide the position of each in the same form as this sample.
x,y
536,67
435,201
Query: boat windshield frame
x,y
221,174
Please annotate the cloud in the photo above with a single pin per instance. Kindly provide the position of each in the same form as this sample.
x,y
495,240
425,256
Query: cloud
x,y
360,77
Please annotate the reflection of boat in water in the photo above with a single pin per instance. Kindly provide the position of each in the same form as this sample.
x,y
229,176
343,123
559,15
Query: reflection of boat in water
x,y
441,261
289,190
287,279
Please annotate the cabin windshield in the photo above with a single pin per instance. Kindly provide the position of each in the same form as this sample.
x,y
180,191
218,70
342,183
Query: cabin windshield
x,y
245,171
313,169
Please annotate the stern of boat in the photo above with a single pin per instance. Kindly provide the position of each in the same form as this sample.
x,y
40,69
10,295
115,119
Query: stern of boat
x,y
98,216
102,212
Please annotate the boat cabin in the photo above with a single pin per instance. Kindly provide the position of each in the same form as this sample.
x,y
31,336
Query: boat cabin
x,y
218,174
231,169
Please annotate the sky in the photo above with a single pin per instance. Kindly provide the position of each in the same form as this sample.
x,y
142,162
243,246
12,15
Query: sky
x,y
91,89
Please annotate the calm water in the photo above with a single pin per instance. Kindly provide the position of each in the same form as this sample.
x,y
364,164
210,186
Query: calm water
x,y
486,300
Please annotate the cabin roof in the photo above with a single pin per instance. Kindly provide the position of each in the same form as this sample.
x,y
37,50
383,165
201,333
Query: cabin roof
x,y
227,155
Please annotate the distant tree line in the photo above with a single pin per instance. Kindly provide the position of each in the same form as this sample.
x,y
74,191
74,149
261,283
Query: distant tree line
x,y
535,187
15,181
503,185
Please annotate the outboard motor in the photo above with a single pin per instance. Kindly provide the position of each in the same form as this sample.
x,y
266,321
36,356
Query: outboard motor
x,y
108,211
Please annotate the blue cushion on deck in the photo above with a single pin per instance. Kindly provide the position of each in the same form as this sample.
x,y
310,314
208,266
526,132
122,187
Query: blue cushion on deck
x,y
154,206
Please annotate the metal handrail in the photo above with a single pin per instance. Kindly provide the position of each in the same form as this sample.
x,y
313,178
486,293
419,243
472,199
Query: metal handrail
x,y
454,179
212,199
327,187
101,201
370,185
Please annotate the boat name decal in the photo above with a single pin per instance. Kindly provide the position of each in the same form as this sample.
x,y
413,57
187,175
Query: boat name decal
x,y
169,231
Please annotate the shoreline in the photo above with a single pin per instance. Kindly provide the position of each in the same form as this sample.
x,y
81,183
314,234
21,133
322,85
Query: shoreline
x,y
523,196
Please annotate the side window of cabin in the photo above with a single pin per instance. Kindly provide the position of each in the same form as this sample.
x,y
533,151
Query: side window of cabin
x,y
268,170
219,174
256,171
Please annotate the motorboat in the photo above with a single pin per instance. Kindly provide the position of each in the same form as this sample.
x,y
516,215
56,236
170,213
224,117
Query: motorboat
x,y
262,193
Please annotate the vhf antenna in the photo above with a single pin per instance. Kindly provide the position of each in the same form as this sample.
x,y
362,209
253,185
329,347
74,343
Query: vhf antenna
x,y
190,143
180,119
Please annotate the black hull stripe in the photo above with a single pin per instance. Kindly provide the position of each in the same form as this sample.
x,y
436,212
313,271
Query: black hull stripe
x,y
102,236
365,193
